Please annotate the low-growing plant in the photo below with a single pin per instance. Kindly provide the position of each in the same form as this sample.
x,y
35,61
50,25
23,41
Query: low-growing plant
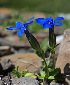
x,y
22,73
48,73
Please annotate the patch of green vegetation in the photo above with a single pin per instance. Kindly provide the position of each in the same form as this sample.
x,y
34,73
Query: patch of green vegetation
x,y
22,73
48,6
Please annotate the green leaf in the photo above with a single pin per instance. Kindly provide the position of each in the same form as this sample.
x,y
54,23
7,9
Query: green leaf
x,y
23,73
41,54
51,77
41,77
54,72
13,72
43,64
51,50
34,43
44,44
57,44
17,68
42,83
16,72
30,74
48,63
50,69
42,73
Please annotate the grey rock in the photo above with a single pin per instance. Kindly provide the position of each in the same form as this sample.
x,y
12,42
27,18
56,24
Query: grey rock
x,y
6,64
25,81
5,80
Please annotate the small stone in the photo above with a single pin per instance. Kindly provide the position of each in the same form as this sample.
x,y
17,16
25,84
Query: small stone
x,y
54,83
30,50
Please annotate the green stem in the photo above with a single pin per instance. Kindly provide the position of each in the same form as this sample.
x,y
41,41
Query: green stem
x,y
53,61
52,43
46,67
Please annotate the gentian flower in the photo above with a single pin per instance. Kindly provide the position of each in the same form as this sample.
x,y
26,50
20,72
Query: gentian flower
x,y
21,26
48,22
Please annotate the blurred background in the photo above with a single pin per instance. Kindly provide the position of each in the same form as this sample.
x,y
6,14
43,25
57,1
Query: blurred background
x,y
12,11
46,6
38,8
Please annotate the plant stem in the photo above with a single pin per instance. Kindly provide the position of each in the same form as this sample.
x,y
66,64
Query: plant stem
x,y
46,67
52,43
44,82
53,61
51,32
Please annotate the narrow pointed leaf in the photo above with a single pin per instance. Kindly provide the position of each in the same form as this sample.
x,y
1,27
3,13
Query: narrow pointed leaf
x,y
34,43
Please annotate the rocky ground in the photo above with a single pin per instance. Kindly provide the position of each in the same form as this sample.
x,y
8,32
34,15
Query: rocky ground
x,y
14,52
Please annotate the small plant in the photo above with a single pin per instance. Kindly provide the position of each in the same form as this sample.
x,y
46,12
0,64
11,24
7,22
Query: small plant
x,y
47,74
52,72
22,74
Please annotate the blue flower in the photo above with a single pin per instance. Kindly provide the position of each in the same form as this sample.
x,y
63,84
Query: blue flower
x,y
48,22
21,26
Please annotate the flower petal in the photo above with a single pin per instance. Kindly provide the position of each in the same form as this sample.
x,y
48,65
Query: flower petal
x,y
59,18
41,21
58,24
18,25
20,32
26,24
47,26
11,28
30,22
30,19
49,19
